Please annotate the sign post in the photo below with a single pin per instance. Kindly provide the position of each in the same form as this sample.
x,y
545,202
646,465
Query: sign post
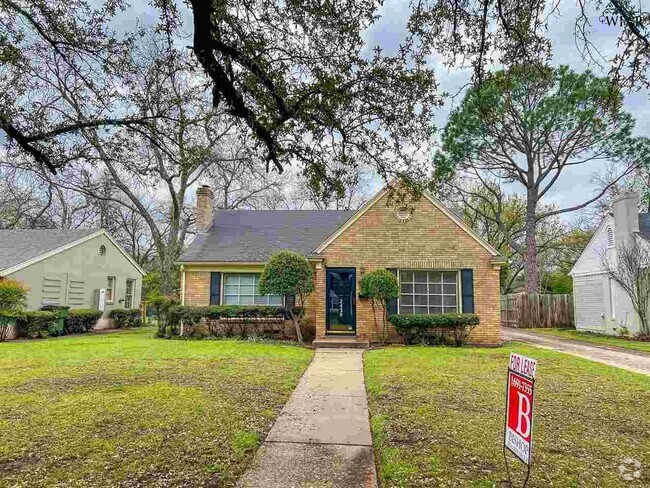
x,y
518,430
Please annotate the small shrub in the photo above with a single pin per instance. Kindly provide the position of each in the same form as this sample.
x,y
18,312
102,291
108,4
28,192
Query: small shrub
x,y
448,328
81,320
288,273
642,337
13,298
36,324
308,329
380,286
126,318
161,306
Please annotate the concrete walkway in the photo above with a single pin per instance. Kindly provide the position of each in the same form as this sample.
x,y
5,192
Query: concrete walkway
x,y
322,436
636,361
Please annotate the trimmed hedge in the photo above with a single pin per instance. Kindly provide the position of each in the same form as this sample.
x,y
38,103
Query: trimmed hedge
x,y
191,317
447,328
81,320
194,314
125,318
36,324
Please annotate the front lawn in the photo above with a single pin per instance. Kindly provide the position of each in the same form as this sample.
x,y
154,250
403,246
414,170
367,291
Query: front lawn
x,y
437,418
127,409
606,340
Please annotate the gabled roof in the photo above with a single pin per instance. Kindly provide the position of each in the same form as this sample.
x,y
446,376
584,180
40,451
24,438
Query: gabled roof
x,y
606,220
252,236
436,203
20,248
644,231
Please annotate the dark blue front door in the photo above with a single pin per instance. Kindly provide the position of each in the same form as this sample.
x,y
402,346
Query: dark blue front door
x,y
341,302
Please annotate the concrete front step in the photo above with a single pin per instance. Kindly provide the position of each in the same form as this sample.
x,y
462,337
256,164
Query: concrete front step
x,y
334,342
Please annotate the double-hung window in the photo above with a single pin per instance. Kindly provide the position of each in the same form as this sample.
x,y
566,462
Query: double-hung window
x,y
128,294
428,292
110,289
244,289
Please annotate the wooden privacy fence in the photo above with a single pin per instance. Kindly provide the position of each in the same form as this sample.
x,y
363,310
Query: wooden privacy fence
x,y
536,310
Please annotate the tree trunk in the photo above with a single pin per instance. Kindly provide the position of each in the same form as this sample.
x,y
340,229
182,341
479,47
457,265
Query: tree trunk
x,y
531,242
296,324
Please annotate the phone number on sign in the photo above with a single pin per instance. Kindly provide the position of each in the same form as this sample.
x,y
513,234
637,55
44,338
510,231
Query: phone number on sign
x,y
522,386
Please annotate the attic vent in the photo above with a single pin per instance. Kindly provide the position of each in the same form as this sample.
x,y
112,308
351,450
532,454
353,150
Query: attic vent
x,y
610,237
102,250
403,214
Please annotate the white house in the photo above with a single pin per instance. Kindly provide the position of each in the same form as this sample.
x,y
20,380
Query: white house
x,y
600,304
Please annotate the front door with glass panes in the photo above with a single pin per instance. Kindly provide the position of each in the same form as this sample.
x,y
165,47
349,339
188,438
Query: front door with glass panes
x,y
428,292
341,300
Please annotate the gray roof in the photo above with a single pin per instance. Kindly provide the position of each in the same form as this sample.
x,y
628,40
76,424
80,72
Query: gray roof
x,y
20,245
253,235
644,225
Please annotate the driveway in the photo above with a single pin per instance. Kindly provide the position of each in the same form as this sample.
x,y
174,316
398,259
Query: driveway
x,y
636,361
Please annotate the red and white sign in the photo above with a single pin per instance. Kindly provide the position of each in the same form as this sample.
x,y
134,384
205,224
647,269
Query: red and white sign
x,y
519,406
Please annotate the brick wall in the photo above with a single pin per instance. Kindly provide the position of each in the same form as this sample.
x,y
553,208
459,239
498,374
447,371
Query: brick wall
x,y
204,197
197,288
429,240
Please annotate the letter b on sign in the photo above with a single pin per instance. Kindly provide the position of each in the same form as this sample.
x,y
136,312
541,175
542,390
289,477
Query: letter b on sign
x,y
523,416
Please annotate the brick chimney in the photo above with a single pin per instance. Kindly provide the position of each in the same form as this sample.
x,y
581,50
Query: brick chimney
x,y
203,208
626,217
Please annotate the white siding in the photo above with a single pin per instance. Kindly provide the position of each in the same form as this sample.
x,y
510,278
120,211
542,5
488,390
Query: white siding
x,y
590,261
590,295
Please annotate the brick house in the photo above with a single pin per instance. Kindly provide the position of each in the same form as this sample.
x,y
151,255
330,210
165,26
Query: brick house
x,y
441,264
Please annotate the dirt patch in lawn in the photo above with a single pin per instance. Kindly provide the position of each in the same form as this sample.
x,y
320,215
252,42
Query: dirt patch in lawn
x,y
127,409
437,418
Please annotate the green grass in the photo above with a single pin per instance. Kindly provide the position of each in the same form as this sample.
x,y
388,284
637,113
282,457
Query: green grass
x,y
437,418
127,409
597,338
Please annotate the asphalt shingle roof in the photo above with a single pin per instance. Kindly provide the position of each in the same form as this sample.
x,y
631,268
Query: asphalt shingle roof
x,y
20,245
253,235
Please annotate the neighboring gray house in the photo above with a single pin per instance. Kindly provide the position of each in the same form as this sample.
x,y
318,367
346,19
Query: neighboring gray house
x,y
600,304
69,267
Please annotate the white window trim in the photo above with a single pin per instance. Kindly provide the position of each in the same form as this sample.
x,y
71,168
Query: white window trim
x,y
459,298
126,289
223,291
113,289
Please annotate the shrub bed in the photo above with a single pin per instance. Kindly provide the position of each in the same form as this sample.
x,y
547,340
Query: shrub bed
x,y
448,328
225,320
13,298
36,324
126,318
81,320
